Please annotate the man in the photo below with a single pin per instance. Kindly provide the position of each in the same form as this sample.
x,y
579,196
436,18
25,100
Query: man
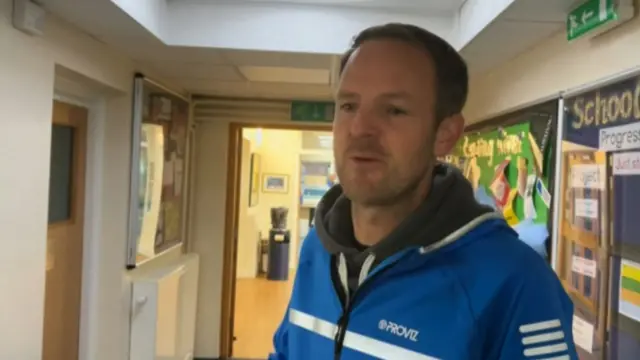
x,y
403,263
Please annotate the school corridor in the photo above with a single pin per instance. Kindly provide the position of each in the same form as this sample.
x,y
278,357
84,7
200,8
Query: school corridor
x,y
145,145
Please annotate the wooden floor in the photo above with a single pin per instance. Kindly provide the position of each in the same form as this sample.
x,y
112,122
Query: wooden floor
x,y
260,307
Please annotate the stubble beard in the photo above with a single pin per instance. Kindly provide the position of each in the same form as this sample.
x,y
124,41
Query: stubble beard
x,y
388,191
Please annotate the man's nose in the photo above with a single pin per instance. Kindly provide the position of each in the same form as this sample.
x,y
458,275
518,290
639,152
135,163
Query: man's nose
x,y
365,122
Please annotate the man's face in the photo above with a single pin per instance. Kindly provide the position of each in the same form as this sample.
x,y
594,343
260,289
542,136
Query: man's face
x,y
385,130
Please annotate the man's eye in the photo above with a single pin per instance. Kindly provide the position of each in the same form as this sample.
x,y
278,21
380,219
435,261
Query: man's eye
x,y
396,111
347,107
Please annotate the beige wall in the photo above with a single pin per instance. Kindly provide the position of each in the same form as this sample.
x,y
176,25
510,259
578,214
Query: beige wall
x,y
553,66
280,151
208,231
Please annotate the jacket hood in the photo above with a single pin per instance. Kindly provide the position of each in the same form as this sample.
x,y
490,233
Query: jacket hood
x,y
449,206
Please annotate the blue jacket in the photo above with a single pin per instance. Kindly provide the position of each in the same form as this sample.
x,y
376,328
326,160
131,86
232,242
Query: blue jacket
x,y
479,294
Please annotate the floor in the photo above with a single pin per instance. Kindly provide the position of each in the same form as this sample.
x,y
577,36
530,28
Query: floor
x,y
260,307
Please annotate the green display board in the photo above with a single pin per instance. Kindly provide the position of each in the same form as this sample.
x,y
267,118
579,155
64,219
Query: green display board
x,y
501,163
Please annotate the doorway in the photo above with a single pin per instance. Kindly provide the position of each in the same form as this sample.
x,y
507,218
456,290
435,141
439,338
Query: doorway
x,y
63,284
252,305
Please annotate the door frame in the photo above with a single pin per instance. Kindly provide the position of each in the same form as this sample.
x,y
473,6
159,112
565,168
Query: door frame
x,y
230,247
75,89
78,204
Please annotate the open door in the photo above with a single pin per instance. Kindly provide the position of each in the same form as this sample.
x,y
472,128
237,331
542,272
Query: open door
x,y
63,286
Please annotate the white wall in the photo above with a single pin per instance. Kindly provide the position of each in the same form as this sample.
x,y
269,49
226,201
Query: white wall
x,y
552,66
208,231
27,73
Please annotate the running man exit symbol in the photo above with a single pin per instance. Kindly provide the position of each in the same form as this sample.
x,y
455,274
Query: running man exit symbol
x,y
590,15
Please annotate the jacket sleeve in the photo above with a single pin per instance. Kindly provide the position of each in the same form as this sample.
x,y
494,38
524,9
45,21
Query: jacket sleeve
x,y
281,340
538,321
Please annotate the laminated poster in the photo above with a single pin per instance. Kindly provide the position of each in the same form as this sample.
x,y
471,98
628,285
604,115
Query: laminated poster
x,y
583,333
629,299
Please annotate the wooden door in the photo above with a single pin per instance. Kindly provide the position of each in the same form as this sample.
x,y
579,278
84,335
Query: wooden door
x,y
63,286
581,233
583,257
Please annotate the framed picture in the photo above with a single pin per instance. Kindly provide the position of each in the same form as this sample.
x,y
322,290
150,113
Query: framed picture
x,y
275,183
254,179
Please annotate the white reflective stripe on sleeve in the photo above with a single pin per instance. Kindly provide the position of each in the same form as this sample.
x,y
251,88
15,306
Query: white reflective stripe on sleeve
x,y
354,341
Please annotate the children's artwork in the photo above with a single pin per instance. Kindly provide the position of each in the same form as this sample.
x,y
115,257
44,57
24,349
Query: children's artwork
x,y
507,211
500,184
529,205
533,235
506,164
483,197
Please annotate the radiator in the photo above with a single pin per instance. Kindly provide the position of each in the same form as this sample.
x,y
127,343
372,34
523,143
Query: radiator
x,y
163,315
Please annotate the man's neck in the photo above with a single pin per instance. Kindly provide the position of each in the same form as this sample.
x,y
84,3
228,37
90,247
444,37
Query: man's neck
x,y
371,224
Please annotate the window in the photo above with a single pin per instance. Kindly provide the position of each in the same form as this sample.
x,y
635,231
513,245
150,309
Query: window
x,y
60,178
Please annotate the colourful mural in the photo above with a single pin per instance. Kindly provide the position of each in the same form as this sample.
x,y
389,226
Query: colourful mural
x,y
506,167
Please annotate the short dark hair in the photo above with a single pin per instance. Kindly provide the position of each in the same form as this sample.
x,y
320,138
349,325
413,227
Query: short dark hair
x,y
452,77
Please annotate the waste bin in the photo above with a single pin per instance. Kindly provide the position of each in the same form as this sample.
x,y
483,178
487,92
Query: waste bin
x,y
279,242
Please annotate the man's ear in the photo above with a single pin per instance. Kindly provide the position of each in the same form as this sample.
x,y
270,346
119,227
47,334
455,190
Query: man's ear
x,y
448,133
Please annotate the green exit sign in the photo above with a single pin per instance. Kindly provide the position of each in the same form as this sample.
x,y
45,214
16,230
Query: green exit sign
x,y
315,111
592,17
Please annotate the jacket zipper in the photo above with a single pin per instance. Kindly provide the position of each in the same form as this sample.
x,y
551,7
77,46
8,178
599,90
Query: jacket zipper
x,y
343,321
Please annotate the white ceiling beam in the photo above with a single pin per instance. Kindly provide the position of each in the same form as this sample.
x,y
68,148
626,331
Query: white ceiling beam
x,y
268,26
278,26
474,16
151,14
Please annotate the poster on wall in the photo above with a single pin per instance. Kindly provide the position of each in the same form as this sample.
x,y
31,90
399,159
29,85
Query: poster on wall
x,y
599,199
508,169
629,290
316,178
159,163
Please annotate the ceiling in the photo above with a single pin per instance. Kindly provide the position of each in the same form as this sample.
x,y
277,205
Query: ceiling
x,y
439,6
235,73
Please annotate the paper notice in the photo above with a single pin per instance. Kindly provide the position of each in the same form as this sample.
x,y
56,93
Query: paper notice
x,y
584,266
622,137
583,334
586,208
626,163
543,192
529,205
588,176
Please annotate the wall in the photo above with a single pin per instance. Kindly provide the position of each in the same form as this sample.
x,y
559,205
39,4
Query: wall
x,y
553,66
28,74
279,152
246,266
208,231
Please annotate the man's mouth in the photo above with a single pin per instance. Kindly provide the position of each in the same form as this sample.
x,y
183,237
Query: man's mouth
x,y
366,159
